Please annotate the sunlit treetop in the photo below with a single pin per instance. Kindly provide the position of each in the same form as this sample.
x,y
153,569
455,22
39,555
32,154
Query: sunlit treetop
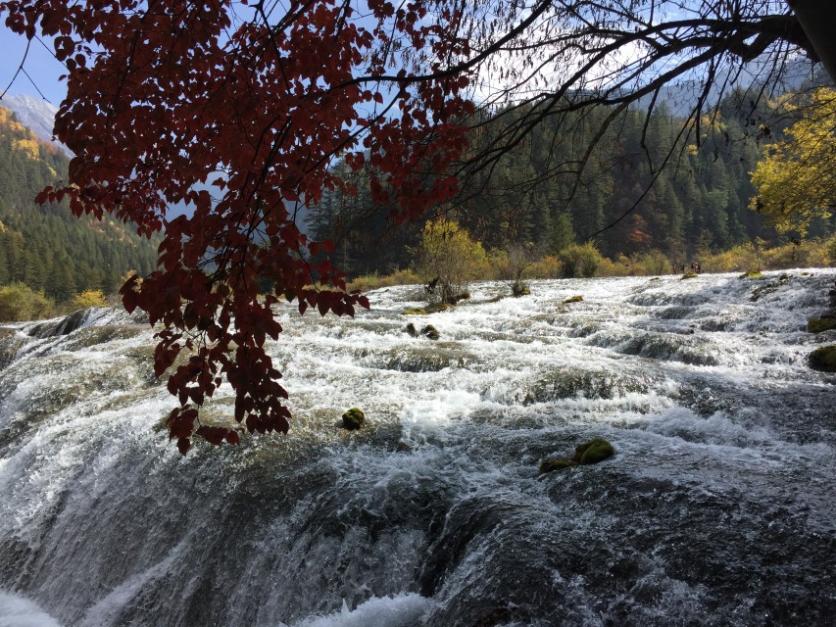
x,y
796,179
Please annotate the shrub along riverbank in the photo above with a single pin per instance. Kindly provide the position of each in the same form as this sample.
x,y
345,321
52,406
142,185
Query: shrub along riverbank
x,y
584,260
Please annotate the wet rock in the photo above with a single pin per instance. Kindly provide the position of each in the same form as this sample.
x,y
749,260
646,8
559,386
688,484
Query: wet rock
x,y
353,419
430,332
663,346
560,463
422,357
520,289
461,296
573,299
689,275
819,325
403,447
823,358
411,330
65,326
9,345
573,382
594,451
769,288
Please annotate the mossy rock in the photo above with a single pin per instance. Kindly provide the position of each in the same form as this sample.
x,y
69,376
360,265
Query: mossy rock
x,y
689,275
754,275
550,465
430,332
353,419
823,358
520,289
818,325
429,309
594,451
573,299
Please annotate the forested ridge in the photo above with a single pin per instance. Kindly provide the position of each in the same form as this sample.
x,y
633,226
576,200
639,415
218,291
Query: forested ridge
x,y
45,246
698,203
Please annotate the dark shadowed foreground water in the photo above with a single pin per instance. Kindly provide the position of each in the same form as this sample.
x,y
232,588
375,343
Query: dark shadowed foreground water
x,y
719,507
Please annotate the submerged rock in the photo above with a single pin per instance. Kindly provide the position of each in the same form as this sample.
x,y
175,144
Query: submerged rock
x,y
550,465
769,288
818,325
430,332
411,330
573,299
823,359
689,275
353,419
574,382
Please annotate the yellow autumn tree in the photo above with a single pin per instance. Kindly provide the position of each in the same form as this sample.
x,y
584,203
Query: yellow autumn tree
x,y
796,179
89,298
449,257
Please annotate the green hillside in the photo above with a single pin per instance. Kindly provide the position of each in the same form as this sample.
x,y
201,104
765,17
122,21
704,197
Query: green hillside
x,y
46,247
697,205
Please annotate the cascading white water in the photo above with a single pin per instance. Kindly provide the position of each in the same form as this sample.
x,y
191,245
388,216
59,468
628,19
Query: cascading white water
x,y
718,508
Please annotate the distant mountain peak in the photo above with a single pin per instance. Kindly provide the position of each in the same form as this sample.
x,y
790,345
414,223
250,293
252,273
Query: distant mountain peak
x,y
36,114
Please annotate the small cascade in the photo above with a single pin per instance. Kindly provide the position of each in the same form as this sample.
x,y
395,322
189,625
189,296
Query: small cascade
x,y
718,507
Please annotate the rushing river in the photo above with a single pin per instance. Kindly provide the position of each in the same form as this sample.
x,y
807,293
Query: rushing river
x,y
718,508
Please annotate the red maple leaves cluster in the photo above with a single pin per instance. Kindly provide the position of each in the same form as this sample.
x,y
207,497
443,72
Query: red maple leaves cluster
x,y
239,113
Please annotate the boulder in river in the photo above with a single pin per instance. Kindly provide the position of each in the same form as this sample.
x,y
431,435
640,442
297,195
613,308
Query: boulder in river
x,y
819,325
430,332
594,451
353,419
573,299
520,289
823,358
410,328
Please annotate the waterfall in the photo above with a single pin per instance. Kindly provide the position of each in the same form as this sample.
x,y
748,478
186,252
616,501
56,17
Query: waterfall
x,y
719,506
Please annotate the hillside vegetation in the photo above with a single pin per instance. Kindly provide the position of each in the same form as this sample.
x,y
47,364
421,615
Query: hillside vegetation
x,y
46,248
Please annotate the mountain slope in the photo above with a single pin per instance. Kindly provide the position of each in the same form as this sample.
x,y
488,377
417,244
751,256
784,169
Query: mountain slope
x,y
47,247
37,115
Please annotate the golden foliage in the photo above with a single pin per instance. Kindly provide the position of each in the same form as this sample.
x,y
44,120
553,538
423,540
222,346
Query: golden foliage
x,y
796,180
29,146
89,298
21,302
448,252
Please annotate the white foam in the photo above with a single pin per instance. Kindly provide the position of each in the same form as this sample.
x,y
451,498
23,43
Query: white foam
x,y
403,610
17,611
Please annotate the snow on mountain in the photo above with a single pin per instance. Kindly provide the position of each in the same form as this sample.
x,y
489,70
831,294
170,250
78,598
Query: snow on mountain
x,y
36,114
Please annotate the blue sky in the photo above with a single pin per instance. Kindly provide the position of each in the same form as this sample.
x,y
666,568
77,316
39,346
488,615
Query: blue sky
x,y
40,64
